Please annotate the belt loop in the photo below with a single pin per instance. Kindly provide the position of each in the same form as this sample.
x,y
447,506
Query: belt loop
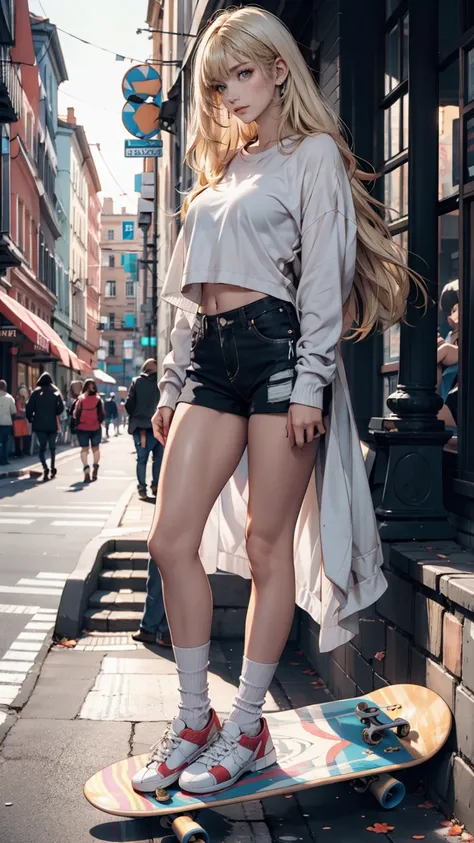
x,y
204,325
243,318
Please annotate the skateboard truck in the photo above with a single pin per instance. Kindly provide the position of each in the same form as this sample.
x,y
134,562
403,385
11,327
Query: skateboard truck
x,y
374,730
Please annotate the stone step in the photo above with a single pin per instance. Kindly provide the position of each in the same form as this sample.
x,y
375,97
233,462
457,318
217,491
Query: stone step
x,y
114,580
226,623
126,560
105,620
125,600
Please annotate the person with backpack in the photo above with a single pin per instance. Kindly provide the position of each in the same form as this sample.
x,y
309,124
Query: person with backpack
x,y
42,410
89,415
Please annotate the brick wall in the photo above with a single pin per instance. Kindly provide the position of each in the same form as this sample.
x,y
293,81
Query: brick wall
x,y
420,631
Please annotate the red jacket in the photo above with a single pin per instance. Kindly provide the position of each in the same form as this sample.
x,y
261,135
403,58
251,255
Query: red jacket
x,y
89,412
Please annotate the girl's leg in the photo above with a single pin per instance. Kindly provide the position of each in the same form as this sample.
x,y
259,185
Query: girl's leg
x,y
95,460
203,449
270,536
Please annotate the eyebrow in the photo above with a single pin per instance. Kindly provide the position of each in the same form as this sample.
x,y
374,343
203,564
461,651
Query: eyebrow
x,y
231,69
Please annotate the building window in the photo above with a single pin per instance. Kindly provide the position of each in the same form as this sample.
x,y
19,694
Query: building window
x,y
130,289
21,225
111,321
110,289
111,348
111,260
111,234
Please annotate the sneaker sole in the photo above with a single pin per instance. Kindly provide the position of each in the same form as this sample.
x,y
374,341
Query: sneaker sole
x,y
267,761
171,779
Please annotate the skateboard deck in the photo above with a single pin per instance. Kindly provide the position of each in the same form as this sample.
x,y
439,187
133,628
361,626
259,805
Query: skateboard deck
x,y
316,745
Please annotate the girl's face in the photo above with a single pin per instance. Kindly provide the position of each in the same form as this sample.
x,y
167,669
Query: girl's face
x,y
92,389
246,92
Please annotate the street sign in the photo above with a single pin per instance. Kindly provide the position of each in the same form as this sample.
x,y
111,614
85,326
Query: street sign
x,y
143,148
141,88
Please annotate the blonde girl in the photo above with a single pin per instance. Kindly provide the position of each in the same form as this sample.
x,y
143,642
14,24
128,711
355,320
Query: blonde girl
x,y
279,239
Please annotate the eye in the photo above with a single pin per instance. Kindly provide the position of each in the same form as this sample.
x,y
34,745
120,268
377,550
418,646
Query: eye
x,y
248,72
219,88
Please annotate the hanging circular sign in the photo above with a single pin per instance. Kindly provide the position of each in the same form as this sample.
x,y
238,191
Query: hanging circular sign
x,y
141,88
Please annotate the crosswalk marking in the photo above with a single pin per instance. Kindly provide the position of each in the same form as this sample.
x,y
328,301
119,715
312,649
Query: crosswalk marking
x,y
102,516
76,523
38,627
13,609
18,666
19,521
11,678
51,583
20,589
101,506
31,636
50,575
17,656
26,646
8,695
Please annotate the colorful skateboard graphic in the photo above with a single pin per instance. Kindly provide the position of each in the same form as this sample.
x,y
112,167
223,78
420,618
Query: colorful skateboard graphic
x,y
316,745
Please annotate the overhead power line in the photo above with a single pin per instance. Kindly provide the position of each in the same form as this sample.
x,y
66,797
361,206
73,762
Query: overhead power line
x,y
114,52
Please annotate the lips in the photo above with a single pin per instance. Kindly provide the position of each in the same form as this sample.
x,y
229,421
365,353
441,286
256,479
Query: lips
x,y
242,108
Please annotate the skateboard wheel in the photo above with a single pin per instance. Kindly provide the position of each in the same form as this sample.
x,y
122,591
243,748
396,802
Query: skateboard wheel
x,y
371,740
404,730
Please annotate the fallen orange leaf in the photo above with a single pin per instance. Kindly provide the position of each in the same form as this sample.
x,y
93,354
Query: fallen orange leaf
x,y
441,556
380,656
418,837
455,830
380,828
427,805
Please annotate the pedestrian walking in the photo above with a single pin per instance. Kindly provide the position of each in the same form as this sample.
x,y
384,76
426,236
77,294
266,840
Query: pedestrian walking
x,y
43,409
21,428
75,390
7,414
111,414
122,413
154,627
263,279
141,405
89,415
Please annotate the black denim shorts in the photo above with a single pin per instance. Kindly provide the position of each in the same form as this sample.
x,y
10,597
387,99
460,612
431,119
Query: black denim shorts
x,y
243,360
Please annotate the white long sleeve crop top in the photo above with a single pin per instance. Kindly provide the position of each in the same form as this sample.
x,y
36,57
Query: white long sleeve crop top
x,y
277,223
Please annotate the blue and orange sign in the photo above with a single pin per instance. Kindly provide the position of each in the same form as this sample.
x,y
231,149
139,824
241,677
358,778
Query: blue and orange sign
x,y
141,88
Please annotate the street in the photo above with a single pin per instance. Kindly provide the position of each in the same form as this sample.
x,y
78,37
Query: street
x,y
44,529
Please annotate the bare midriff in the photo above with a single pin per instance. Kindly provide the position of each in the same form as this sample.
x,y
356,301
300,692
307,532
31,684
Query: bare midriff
x,y
218,298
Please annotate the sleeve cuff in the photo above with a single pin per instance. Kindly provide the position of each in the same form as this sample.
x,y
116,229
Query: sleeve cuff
x,y
169,395
310,394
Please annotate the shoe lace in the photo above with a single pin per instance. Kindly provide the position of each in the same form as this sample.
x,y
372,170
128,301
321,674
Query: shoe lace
x,y
222,745
162,749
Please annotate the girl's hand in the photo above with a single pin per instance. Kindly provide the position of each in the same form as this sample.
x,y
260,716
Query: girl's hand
x,y
161,423
304,424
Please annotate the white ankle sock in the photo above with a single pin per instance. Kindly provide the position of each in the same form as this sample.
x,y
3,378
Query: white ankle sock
x,y
194,704
248,704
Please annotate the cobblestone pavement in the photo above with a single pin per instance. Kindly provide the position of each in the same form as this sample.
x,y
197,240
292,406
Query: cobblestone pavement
x,y
109,698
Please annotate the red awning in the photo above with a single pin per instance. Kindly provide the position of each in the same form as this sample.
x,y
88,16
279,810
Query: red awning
x,y
24,321
58,347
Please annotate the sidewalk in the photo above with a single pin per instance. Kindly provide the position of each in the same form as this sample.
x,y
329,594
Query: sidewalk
x,y
24,466
110,698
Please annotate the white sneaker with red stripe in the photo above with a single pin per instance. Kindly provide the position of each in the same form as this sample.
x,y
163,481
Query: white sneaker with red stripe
x,y
178,747
230,755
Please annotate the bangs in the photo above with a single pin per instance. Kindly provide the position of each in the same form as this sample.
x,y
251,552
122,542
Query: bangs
x,y
223,51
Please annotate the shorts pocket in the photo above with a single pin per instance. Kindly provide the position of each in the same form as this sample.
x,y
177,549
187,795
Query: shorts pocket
x,y
274,326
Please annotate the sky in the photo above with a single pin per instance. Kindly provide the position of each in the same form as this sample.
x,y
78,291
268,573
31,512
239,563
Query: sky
x,y
94,87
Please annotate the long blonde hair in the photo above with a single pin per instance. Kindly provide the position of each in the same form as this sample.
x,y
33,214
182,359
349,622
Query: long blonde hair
x,y
382,278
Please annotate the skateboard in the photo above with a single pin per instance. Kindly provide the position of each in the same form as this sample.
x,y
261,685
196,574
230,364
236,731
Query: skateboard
x,y
362,741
